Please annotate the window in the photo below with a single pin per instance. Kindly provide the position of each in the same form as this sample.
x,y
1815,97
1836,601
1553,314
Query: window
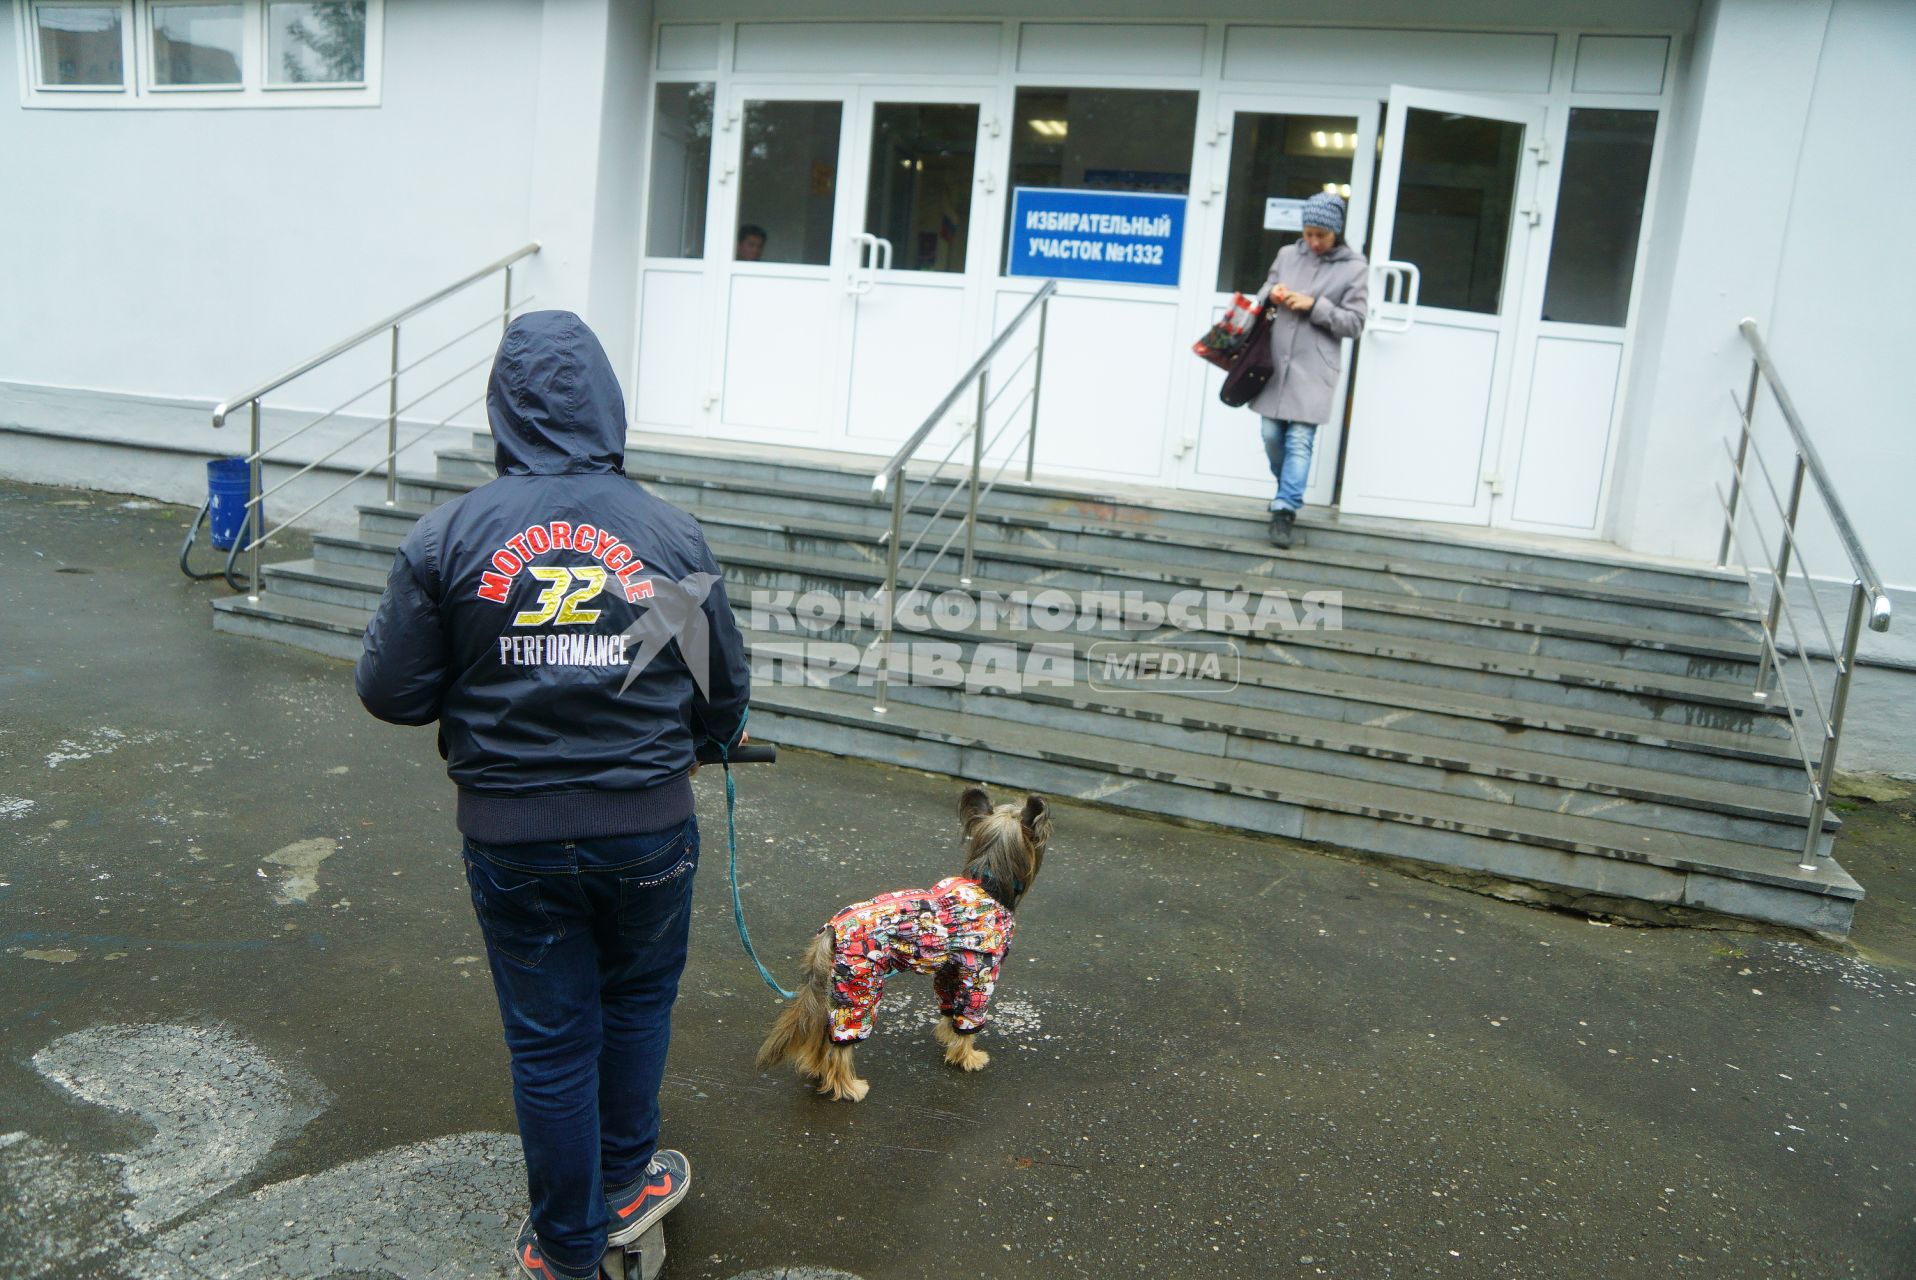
x,y
1455,197
197,45
80,46
1593,251
681,165
787,182
322,42
1280,157
200,53
1103,140
919,201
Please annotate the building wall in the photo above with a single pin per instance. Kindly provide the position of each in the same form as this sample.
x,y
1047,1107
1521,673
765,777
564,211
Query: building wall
x,y
1840,331
189,253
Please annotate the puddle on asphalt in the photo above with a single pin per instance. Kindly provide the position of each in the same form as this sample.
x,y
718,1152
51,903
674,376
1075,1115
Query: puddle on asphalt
x,y
301,859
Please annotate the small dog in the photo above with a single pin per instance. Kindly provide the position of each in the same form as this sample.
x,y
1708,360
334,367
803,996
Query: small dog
x,y
957,932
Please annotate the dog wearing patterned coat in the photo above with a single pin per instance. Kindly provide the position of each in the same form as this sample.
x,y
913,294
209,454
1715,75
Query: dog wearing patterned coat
x,y
957,933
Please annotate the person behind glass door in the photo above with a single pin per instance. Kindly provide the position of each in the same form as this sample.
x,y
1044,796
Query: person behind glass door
x,y
1317,294
751,243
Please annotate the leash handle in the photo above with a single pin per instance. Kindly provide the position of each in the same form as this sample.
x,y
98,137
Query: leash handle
x,y
725,759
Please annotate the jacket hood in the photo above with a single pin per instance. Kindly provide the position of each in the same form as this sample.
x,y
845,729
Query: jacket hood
x,y
553,400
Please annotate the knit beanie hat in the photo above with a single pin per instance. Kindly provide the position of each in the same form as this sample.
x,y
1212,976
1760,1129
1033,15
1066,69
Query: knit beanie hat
x,y
1325,210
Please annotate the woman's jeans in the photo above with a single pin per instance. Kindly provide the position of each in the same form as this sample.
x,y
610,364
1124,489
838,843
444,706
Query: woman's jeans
x,y
586,939
1288,445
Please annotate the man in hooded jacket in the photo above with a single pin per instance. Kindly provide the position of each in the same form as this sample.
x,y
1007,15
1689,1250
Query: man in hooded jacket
x,y
513,617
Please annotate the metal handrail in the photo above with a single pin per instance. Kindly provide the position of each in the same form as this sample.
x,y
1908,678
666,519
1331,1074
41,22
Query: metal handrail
x,y
254,535
1039,301
1880,608
344,345
889,479
1869,603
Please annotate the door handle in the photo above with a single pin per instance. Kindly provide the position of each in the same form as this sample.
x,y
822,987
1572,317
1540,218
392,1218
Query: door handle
x,y
1409,281
859,282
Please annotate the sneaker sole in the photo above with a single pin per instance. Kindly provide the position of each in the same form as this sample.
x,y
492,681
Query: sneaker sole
x,y
644,1222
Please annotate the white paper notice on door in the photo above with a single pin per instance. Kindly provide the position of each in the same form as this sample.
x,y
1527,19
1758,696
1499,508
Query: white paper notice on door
x,y
1281,214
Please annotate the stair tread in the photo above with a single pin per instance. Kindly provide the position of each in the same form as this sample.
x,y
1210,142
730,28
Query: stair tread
x,y
1485,760
1379,689
1266,575
1370,561
1456,654
313,613
680,452
1585,835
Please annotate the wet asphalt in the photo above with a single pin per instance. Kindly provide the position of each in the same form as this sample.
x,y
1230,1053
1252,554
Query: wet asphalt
x,y
1214,1055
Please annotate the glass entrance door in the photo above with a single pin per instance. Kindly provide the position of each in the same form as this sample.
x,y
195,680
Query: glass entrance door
x,y
782,264
921,256
1276,152
856,259
1456,204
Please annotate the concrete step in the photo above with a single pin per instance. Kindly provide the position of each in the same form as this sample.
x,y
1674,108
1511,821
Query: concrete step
x,y
1579,854
1711,644
1581,686
1074,703
1166,514
1639,637
1573,687
1190,554
331,629
1470,721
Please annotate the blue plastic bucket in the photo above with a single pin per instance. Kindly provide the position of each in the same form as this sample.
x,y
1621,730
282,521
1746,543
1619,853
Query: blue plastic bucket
x,y
229,483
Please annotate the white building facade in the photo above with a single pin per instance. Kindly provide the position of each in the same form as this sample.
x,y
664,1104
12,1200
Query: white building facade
x,y
794,224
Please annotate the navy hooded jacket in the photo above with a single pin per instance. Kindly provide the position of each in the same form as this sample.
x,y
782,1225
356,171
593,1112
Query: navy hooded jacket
x,y
514,615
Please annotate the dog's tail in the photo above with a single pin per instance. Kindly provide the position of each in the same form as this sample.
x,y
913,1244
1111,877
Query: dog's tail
x,y
806,1020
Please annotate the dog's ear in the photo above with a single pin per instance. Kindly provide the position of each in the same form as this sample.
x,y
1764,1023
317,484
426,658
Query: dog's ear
x,y
973,805
1036,819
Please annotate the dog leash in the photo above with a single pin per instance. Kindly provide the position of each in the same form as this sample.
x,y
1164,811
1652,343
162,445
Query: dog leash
x,y
731,840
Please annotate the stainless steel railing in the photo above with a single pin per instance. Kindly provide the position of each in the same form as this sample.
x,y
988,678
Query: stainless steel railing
x,y
253,536
1817,738
891,480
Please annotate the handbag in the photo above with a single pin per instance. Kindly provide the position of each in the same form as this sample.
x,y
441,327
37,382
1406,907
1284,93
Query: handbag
x,y
1222,343
1252,367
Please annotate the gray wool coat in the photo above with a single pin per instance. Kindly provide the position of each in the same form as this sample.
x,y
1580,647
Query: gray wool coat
x,y
1306,351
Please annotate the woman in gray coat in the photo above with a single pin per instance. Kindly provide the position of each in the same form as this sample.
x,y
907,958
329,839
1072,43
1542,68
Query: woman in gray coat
x,y
1317,293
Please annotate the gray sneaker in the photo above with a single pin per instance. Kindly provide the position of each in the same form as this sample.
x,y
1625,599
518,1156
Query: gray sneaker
x,y
1283,521
633,1209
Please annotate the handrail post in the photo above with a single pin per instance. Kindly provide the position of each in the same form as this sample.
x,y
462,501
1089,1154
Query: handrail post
x,y
1782,577
256,521
891,589
505,317
1037,389
1833,734
977,458
1742,452
392,425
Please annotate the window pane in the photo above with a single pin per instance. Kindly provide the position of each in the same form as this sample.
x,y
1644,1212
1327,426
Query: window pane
x,y
1454,199
317,42
1103,140
1593,252
196,43
681,169
923,155
80,45
1289,157
787,181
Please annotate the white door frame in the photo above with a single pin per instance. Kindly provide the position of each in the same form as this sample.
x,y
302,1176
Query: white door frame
x,y
868,282
1201,410
722,237
1385,340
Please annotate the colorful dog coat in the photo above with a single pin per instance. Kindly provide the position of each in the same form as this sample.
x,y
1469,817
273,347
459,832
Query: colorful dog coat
x,y
954,932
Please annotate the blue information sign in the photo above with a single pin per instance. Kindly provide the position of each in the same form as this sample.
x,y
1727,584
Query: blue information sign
x,y
1126,237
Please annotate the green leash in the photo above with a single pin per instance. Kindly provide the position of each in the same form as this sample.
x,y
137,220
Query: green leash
x,y
731,840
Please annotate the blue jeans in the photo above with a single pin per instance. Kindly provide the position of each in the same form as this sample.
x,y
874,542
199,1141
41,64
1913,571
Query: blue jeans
x,y
586,939
1288,446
